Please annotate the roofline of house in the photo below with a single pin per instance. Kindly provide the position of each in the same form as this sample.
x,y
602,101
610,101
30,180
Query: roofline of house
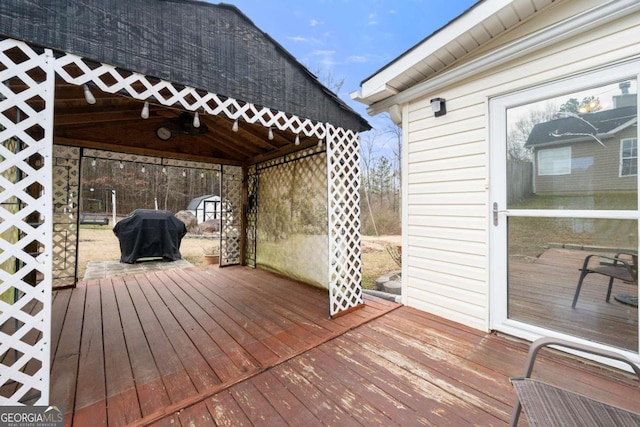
x,y
576,25
375,86
600,136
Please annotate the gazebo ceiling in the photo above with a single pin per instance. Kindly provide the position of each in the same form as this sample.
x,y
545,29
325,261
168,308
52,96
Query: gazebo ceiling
x,y
114,123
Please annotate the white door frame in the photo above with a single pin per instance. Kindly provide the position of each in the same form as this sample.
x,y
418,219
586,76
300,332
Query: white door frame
x,y
498,107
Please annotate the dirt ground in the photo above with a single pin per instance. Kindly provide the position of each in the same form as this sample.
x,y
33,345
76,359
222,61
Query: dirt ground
x,y
100,244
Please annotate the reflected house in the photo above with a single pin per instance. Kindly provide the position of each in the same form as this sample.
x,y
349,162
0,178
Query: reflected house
x,y
597,152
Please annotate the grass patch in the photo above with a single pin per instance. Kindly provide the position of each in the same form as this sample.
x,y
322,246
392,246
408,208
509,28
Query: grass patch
x,y
530,236
374,265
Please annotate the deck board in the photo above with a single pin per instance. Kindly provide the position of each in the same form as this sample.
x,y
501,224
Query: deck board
x,y
91,407
177,384
150,388
122,401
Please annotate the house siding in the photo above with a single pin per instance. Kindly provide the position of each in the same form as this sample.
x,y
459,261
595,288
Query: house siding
x,y
446,199
602,177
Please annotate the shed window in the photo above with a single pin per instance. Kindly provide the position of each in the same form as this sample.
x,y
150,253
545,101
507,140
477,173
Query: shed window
x,y
628,156
554,161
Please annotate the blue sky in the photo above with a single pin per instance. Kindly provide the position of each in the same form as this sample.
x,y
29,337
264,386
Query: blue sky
x,y
349,39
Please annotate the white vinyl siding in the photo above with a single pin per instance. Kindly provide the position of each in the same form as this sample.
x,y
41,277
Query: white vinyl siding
x,y
446,199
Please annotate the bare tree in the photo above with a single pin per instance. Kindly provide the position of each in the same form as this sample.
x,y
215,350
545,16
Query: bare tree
x,y
520,130
329,80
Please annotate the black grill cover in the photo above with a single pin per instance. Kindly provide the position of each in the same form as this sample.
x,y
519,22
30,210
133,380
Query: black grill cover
x,y
147,233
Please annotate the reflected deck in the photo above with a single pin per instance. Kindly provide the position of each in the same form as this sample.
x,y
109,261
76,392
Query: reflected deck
x,y
541,293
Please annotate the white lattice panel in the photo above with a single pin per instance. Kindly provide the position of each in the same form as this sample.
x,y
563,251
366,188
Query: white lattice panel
x,y
251,217
26,127
76,70
231,228
345,258
66,190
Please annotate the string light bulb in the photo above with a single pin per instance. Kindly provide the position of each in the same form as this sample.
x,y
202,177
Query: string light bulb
x,y
93,162
270,134
184,173
121,165
196,120
201,174
142,169
164,170
145,111
319,143
88,96
235,126
297,140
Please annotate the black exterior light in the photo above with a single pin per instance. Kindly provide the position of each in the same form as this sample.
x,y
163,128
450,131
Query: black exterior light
x,y
439,107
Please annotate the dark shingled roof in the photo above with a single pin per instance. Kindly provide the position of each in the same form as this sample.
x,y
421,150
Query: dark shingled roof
x,y
207,46
570,128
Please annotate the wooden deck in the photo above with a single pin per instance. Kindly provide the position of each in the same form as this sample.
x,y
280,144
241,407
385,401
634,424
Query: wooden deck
x,y
235,346
125,348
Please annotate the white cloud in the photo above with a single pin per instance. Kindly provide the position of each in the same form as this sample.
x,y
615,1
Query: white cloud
x,y
314,23
323,52
298,39
357,59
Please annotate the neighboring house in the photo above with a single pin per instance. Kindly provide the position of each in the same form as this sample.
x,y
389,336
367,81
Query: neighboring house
x,y
205,207
598,151
457,95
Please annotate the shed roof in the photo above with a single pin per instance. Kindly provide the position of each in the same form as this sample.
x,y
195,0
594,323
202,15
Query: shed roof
x,y
195,202
213,47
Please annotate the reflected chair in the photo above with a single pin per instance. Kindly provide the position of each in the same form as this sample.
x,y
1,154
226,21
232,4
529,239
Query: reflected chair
x,y
623,266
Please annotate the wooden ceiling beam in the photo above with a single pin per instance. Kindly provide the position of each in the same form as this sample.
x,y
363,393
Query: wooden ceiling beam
x,y
100,145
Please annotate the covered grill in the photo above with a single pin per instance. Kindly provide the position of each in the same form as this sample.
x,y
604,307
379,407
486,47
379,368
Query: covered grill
x,y
147,233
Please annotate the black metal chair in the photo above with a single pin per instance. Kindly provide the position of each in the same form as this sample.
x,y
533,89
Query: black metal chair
x,y
548,405
623,266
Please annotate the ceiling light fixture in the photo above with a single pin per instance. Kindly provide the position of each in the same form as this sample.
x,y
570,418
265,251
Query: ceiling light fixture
x,y
88,96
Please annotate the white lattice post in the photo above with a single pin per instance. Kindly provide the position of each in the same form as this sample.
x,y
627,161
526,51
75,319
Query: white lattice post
x,y
27,82
343,184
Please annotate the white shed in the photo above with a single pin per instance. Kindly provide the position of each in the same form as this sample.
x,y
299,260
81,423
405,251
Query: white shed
x,y
480,247
205,207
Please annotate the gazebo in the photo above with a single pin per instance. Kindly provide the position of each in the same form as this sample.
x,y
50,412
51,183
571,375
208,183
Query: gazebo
x,y
173,83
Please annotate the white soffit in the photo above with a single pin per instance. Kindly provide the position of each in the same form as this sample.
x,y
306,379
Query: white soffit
x,y
482,22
